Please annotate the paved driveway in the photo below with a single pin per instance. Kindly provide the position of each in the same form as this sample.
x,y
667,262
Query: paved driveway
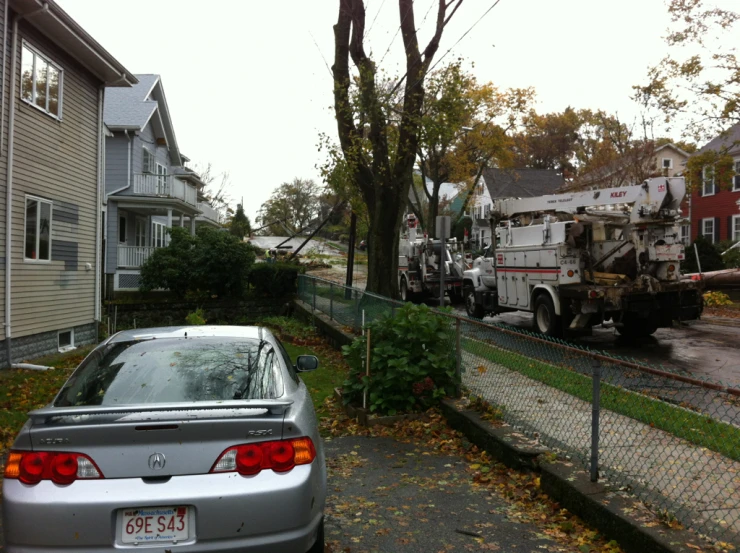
x,y
388,496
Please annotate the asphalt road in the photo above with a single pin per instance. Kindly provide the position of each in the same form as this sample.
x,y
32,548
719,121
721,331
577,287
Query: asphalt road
x,y
699,347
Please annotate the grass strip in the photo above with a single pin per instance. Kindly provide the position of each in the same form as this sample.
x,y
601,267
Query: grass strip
x,y
701,430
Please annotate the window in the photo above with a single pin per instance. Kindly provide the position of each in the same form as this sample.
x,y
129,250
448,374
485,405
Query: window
x,y
480,189
148,164
685,234
667,163
161,179
708,181
66,340
158,234
38,230
174,370
736,227
707,229
736,179
140,232
41,82
122,229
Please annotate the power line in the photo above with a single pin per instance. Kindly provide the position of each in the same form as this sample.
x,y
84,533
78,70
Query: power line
x,y
408,11
448,51
326,63
374,20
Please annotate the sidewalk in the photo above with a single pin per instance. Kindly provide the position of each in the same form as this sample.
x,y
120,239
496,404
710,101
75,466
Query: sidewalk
x,y
699,487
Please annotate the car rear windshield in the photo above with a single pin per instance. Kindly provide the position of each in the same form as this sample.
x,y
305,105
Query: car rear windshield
x,y
175,370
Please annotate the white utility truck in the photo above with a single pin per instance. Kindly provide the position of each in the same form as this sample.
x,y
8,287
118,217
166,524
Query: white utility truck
x,y
419,262
600,257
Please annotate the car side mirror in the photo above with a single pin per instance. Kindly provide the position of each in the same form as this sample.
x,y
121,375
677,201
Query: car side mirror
x,y
306,363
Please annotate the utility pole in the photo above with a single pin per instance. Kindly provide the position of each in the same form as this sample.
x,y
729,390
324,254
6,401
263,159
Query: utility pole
x,y
351,251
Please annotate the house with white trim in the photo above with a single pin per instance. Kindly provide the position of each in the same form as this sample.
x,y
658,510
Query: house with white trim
x,y
148,187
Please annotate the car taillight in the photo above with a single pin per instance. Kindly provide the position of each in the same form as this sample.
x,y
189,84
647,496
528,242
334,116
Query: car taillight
x,y
31,467
280,456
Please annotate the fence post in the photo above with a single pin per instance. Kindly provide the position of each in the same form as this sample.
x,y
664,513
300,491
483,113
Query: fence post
x,y
596,365
458,361
331,301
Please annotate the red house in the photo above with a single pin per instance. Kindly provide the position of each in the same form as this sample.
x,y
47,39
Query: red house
x,y
715,213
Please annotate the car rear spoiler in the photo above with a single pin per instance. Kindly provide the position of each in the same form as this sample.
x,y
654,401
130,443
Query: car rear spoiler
x,y
274,406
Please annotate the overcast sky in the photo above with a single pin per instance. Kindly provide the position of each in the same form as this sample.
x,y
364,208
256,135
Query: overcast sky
x,y
249,91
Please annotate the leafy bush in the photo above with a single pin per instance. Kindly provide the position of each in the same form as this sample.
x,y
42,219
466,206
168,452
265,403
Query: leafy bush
x,y
716,299
710,258
731,259
212,263
412,362
196,318
275,280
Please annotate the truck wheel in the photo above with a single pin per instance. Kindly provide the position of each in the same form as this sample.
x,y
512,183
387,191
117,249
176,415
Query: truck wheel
x,y
406,295
474,309
545,320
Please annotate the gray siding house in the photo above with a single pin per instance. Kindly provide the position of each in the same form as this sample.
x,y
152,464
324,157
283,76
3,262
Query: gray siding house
x,y
148,189
51,167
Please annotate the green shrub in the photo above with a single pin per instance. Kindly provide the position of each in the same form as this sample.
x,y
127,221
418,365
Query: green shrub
x,y
275,280
196,318
710,258
716,299
212,263
412,362
731,259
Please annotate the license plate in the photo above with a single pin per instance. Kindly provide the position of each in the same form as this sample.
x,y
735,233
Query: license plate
x,y
154,524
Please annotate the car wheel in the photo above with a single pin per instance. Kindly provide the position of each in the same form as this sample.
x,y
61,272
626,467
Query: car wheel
x,y
318,546
545,320
474,309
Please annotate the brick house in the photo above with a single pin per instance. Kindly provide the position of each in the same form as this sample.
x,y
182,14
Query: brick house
x,y
715,213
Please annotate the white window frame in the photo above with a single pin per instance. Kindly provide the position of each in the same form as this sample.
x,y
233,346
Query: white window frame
x,y
32,102
140,238
704,181
670,163
736,179
736,227
161,172
685,234
38,222
71,346
147,161
157,232
704,222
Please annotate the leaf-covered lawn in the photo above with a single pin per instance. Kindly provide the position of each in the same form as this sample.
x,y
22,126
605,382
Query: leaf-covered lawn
x,y
24,390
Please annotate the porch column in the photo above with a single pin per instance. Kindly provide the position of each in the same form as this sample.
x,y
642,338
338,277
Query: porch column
x,y
182,219
169,225
192,225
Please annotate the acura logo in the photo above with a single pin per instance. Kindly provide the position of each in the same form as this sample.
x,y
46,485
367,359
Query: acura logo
x,y
156,461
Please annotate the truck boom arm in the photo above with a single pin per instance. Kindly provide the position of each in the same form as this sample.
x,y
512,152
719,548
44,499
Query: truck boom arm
x,y
648,200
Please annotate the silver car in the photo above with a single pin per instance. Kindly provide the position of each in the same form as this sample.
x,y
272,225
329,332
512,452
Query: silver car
x,y
186,439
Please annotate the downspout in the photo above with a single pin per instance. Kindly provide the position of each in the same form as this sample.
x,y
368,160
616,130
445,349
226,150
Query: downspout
x,y
9,176
2,77
98,202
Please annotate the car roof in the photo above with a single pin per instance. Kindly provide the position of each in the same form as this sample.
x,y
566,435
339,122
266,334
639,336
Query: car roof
x,y
205,331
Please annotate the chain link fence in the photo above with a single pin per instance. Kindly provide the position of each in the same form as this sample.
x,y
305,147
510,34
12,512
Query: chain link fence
x,y
669,438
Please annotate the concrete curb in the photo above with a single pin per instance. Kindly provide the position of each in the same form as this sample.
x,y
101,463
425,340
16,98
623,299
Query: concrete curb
x,y
613,515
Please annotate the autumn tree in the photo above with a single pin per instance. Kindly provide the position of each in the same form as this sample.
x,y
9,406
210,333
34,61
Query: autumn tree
x,y
291,207
378,144
699,80
464,128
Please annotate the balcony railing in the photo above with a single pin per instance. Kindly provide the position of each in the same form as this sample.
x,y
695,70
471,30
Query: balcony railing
x,y
133,256
166,186
209,213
